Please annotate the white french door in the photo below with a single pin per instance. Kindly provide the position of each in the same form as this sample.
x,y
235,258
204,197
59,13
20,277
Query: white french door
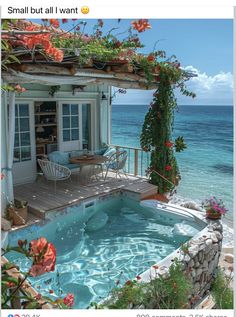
x,y
70,126
24,161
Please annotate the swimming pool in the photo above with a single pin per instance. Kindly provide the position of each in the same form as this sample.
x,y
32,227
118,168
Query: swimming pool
x,y
105,242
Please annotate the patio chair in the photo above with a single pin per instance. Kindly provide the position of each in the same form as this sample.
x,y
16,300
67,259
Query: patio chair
x,y
54,172
116,163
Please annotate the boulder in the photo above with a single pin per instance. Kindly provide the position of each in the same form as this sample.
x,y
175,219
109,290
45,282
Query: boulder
x,y
229,258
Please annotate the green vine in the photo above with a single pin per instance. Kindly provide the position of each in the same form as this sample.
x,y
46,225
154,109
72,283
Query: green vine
x,y
157,130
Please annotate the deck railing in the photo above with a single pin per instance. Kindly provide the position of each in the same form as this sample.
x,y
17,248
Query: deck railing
x,y
137,161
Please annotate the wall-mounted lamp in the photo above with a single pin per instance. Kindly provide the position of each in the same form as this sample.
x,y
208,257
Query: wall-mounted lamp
x,y
103,97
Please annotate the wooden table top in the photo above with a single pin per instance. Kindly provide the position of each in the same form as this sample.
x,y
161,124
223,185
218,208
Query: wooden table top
x,y
89,160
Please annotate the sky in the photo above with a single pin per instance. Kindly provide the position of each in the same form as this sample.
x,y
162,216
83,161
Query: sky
x,y
203,46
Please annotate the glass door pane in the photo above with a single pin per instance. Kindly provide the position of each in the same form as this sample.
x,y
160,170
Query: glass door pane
x,y
86,125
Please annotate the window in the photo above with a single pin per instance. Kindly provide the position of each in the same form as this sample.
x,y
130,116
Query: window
x,y
22,148
70,122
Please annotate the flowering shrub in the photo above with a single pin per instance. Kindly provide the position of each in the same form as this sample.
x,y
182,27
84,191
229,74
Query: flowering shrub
x,y
170,292
43,256
215,206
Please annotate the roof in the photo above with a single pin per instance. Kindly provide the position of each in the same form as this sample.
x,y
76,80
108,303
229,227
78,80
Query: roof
x,y
120,66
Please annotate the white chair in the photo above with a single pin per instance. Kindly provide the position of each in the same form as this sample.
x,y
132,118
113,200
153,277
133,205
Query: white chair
x,y
116,163
54,172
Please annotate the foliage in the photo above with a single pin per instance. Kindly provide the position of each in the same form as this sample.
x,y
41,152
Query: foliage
x,y
43,257
215,206
157,129
165,292
222,292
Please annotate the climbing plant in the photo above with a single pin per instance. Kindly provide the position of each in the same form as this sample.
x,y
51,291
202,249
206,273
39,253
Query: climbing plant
x,y
157,129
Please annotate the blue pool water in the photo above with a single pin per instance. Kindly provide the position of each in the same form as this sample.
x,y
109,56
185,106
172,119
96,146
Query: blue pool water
x,y
115,239
206,165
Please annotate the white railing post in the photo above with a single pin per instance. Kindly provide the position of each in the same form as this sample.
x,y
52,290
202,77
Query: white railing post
x,y
135,162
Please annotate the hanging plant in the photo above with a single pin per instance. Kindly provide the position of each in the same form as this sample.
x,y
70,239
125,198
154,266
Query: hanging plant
x,y
53,90
157,129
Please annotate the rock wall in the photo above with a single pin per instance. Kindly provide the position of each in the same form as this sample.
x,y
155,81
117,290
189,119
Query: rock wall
x,y
202,257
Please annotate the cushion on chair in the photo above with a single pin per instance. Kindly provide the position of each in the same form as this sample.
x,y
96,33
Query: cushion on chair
x,y
109,152
76,153
58,157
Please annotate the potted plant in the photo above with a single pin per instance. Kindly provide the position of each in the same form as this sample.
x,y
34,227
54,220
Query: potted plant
x,y
215,208
17,212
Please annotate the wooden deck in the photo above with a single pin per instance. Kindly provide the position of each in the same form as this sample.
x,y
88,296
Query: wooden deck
x,y
43,198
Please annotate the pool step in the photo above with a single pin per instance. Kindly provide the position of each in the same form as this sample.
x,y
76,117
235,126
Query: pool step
x,y
39,213
144,189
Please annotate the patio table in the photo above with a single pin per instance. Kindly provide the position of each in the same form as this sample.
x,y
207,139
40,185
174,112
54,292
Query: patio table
x,y
88,164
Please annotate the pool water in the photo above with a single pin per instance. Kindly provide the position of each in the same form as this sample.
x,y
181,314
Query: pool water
x,y
100,245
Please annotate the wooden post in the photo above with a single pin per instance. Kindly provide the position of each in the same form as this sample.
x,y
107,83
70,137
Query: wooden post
x,y
135,162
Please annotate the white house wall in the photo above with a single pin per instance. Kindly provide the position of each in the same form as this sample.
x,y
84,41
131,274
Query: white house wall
x,y
90,94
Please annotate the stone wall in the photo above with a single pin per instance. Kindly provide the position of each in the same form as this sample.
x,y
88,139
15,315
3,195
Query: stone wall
x,y
200,260
202,257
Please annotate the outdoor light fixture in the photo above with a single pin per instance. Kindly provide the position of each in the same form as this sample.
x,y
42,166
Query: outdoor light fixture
x,y
103,97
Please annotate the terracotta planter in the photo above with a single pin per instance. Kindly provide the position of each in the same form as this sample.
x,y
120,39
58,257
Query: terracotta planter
x,y
18,215
212,215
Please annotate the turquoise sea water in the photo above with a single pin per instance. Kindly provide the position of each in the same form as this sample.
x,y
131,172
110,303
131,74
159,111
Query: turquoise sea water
x,y
207,164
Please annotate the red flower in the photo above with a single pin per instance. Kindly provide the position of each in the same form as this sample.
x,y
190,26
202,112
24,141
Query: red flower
x,y
11,284
51,291
129,282
138,277
19,89
141,25
64,20
156,267
151,58
169,144
38,296
69,300
168,168
2,176
44,257
54,22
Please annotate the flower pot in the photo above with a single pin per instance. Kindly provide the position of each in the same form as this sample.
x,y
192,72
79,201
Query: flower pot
x,y
18,215
212,215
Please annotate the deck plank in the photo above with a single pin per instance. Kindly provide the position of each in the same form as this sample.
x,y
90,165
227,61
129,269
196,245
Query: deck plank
x,y
42,197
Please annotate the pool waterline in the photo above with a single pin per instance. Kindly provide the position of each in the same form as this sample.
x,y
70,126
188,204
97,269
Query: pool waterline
x,y
104,242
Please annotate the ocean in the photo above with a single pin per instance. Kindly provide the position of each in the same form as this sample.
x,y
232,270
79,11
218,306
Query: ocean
x,y
206,166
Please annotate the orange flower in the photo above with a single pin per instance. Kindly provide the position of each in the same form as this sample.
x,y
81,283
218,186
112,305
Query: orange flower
x,y
54,22
151,58
141,25
44,257
19,89
69,300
